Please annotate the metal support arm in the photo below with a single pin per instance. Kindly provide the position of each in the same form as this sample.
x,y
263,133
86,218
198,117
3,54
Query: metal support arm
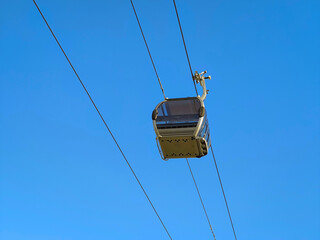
x,y
200,78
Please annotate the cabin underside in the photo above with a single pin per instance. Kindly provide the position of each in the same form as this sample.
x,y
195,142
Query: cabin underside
x,y
182,147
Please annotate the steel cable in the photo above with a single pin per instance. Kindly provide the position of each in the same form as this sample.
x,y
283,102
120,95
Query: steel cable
x,y
224,195
145,42
136,15
195,87
204,208
185,46
134,174
217,169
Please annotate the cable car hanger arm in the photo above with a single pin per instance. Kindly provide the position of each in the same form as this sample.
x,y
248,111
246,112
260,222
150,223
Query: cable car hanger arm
x,y
200,78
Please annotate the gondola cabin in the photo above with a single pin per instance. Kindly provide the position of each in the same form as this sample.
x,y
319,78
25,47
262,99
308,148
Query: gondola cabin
x,y
181,127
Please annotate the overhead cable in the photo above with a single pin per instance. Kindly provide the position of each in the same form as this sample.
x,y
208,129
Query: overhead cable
x,y
204,208
224,195
217,169
104,122
145,42
195,87
185,47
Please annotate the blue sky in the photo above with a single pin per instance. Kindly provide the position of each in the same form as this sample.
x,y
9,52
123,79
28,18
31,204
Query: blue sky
x,y
61,175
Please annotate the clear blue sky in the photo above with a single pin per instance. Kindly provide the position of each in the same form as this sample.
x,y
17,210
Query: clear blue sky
x,y
61,176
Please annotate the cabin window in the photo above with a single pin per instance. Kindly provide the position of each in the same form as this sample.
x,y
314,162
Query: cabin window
x,y
178,113
204,128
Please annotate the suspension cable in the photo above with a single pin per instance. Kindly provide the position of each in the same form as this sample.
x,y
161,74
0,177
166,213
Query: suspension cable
x,y
195,87
104,122
145,42
224,195
185,46
225,199
204,208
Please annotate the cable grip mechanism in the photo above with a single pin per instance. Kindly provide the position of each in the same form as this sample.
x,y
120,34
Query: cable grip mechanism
x,y
200,78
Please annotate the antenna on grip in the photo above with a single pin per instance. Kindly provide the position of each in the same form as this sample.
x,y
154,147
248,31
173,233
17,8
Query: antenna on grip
x,y
200,78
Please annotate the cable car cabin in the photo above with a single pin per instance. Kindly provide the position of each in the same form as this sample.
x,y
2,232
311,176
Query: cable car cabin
x,y
181,126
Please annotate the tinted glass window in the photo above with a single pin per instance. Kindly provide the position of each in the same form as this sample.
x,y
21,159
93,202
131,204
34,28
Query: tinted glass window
x,y
179,107
204,128
182,112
